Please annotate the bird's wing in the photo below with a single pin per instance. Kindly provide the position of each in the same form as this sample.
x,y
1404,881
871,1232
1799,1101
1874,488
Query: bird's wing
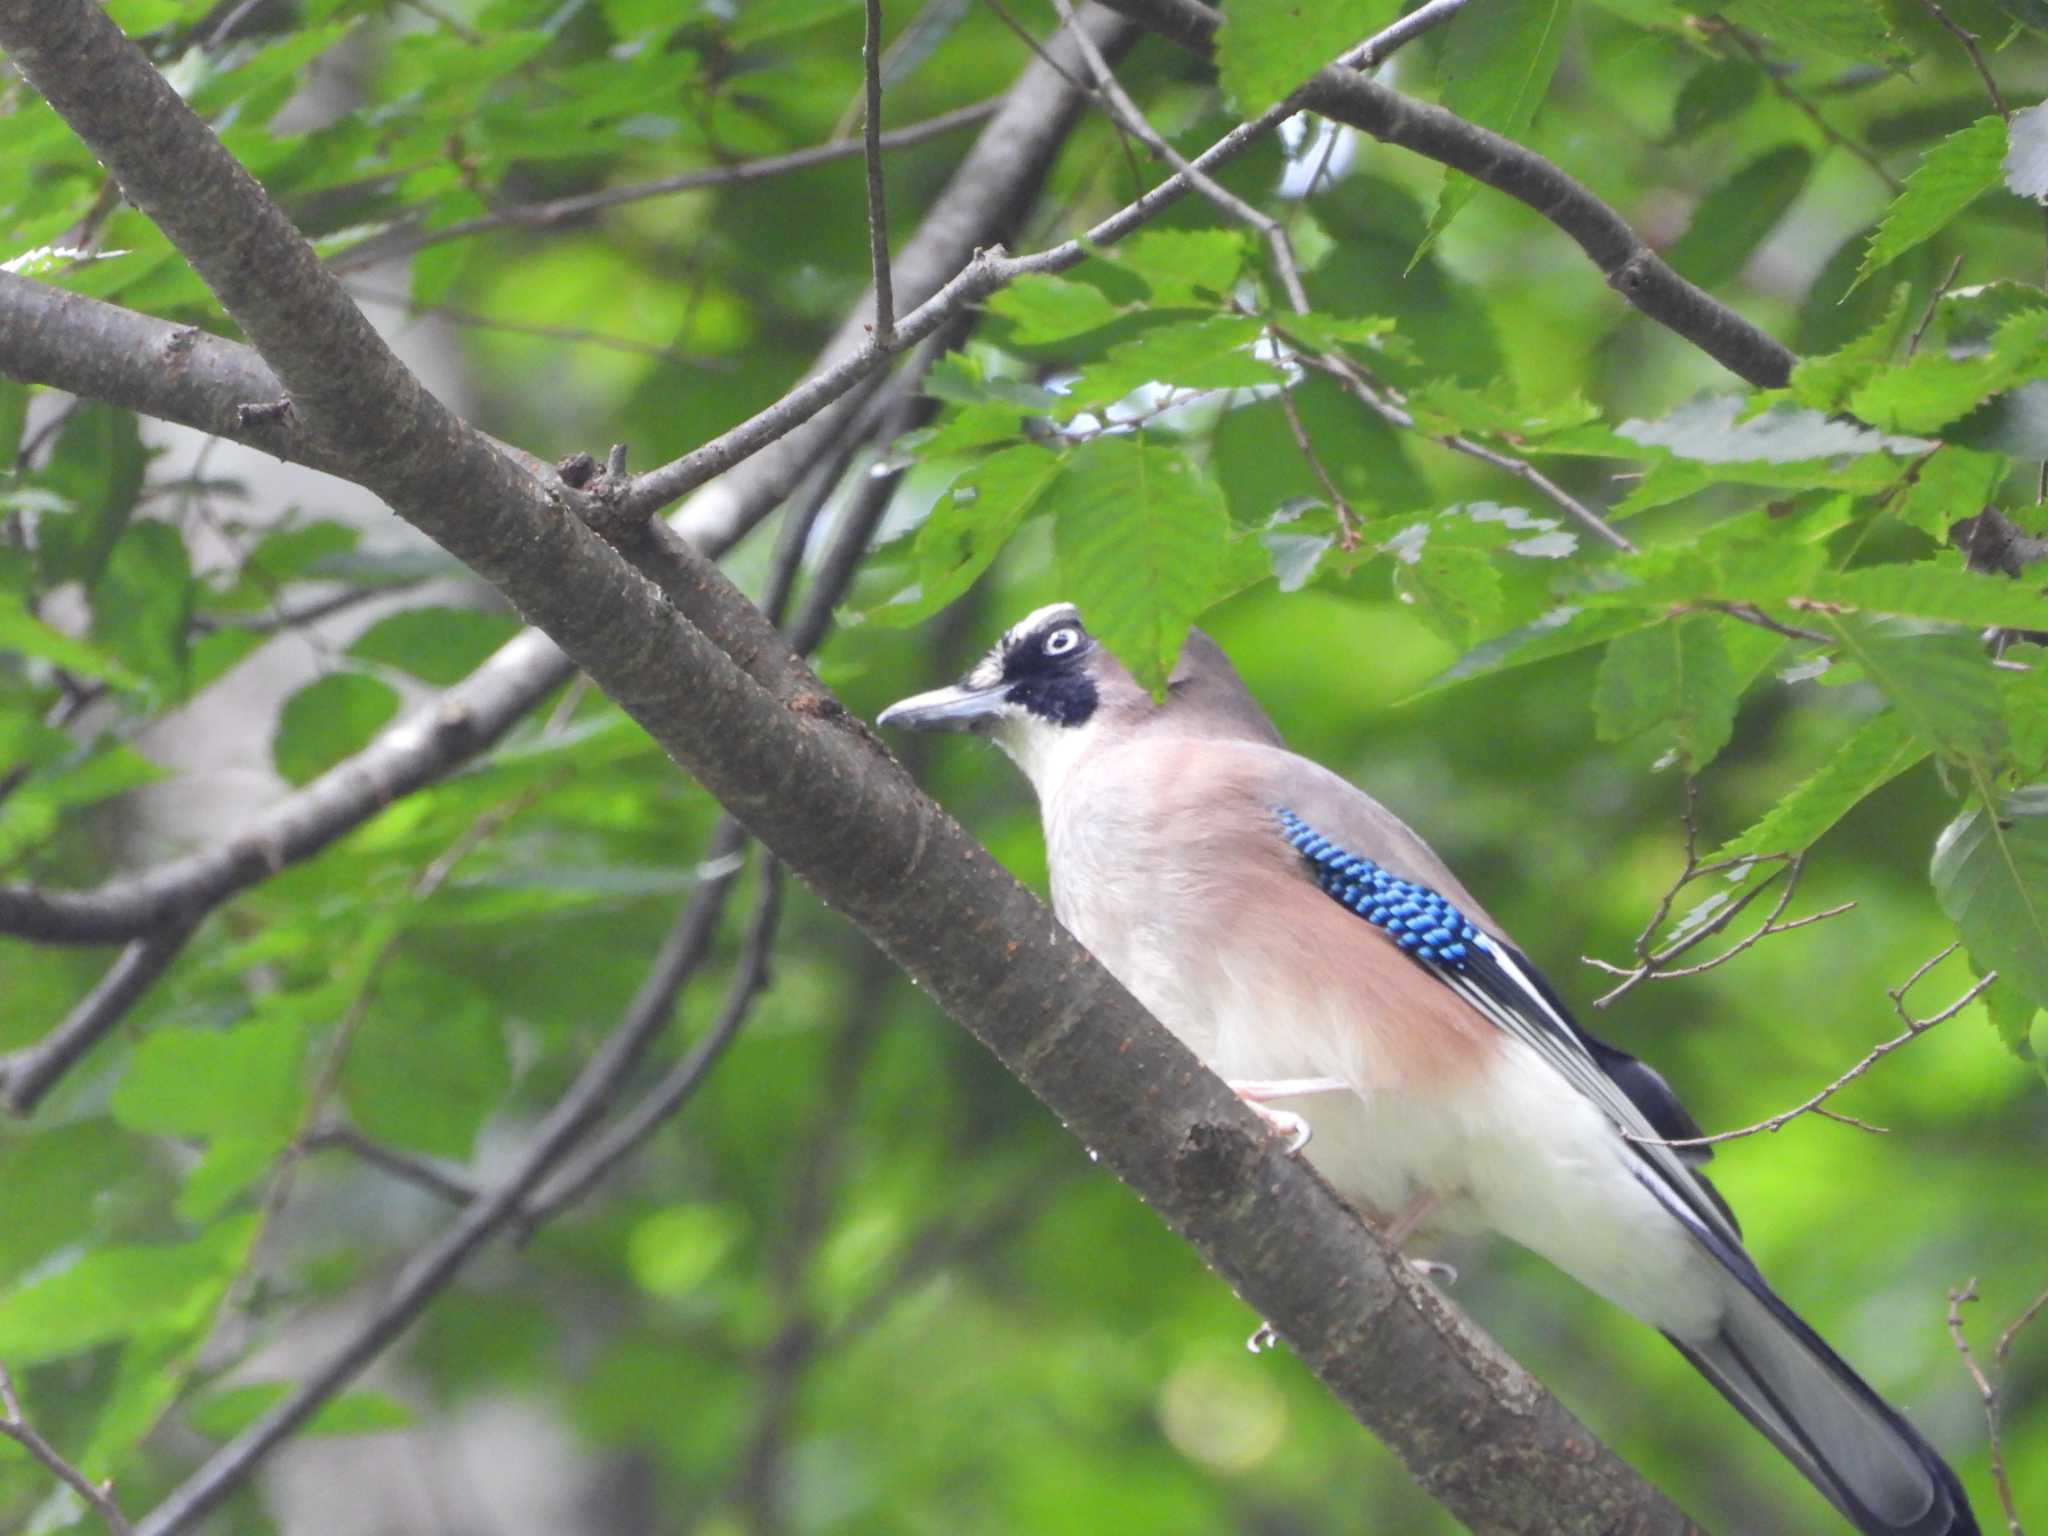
x,y
1364,859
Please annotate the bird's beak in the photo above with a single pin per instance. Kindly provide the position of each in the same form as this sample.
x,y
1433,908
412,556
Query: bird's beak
x,y
944,709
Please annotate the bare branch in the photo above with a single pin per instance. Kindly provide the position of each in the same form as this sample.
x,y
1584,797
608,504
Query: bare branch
x,y
562,210
878,213
1751,46
1969,41
1914,1028
625,1135
99,1497
1384,402
441,1182
1987,1390
1632,269
29,1073
435,1266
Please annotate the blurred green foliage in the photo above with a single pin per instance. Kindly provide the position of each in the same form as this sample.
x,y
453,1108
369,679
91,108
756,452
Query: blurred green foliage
x,y
863,1283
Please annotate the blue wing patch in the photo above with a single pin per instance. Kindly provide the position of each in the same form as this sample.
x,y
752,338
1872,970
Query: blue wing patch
x,y
1498,980
1415,917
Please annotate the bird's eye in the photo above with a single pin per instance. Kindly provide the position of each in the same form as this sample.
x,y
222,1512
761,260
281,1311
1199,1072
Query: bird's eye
x,y
1061,640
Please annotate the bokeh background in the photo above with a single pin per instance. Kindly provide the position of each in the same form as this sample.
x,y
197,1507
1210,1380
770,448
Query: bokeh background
x,y
862,1282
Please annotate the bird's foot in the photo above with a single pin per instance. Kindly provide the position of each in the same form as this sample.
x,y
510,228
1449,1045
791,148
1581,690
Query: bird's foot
x,y
1432,1269
1285,1122
1263,1338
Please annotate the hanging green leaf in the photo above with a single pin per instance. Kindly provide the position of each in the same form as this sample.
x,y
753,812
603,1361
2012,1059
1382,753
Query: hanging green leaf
x,y
1881,749
1942,684
1990,875
1950,177
428,1062
1827,382
1849,29
1268,47
329,720
968,526
1675,679
1140,530
1496,67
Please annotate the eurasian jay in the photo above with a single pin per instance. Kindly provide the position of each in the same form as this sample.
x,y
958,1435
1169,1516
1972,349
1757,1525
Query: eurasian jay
x,y
1318,956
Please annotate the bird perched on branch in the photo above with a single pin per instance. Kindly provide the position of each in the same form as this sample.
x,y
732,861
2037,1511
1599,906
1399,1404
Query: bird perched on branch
x,y
1319,957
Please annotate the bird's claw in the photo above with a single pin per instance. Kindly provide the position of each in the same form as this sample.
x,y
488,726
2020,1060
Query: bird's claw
x,y
1285,1122
1263,1338
1432,1269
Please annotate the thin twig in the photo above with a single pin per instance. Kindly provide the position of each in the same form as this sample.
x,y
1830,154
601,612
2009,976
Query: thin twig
x,y
1347,518
443,1183
1914,1029
99,1496
2033,1310
1379,399
1933,303
29,1073
435,1266
1987,1390
572,335
878,213
1828,131
625,1135
1969,41
560,210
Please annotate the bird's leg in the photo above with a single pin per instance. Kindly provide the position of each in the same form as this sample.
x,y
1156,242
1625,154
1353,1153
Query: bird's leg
x,y
1257,1091
1402,1227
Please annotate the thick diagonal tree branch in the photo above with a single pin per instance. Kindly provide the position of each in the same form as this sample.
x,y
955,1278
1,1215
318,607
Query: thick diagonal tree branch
x,y
815,787
1632,269
180,374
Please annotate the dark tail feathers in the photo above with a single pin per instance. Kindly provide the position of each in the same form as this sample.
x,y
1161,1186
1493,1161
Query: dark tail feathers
x,y
1852,1445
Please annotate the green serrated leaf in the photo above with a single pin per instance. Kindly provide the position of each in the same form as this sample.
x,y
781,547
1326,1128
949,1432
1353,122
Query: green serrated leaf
x,y
1042,307
1881,749
1211,353
1496,68
328,720
1850,29
1183,266
1268,47
1931,389
1676,679
1827,382
1990,875
1946,593
2012,1013
1942,684
1732,219
1140,531
437,645
1455,591
1954,484
968,526
1950,177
